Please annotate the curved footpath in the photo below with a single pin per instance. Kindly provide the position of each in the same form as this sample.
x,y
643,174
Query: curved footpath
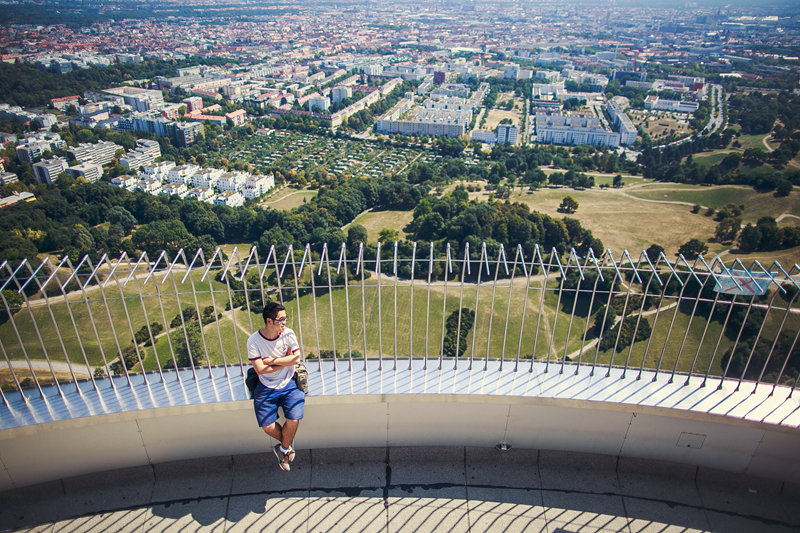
x,y
417,489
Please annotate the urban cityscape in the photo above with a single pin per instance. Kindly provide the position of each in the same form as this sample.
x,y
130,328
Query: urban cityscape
x,y
574,223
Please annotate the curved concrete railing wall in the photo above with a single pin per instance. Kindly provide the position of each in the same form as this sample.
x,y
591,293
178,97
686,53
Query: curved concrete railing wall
x,y
36,453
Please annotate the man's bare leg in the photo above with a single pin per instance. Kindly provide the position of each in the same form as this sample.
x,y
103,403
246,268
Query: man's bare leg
x,y
275,431
288,433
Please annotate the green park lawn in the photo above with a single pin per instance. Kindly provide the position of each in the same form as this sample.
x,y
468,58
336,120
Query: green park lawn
x,y
378,219
756,204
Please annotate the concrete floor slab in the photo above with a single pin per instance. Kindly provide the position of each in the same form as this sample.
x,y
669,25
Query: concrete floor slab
x,y
458,489
516,502
364,467
204,515
658,480
339,513
721,522
486,522
106,491
742,495
649,516
275,513
790,495
582,472
259,472
572,511
129,521
515,468
427,472
411,515
180,480
22,508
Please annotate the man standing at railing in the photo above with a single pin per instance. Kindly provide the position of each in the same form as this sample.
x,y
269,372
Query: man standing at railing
x,y
273,351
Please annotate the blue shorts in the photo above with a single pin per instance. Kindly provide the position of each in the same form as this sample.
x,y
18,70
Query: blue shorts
x,y
266,402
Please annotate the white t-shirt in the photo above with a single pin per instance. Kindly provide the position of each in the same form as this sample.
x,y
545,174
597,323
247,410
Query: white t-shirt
x,y
259,346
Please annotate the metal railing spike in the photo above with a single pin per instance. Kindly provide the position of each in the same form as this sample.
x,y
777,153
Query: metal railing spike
x,y
520,254
306,252
790,278
191,264
341,257
449,260
172,264
574,255
142,257
289,253
253,251
360,257
771,277
669,266
266,261
650,264
33,274
554,254
635,268
154,267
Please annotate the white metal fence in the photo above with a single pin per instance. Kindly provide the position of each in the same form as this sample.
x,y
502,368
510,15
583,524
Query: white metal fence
x,y
140,318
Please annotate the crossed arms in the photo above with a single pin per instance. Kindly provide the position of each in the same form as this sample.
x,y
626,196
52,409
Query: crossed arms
x,y
265,365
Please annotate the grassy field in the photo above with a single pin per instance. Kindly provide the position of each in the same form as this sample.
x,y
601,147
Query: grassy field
x,y
756,204
751,141
496,115
44,377
288,199
376,220
644,223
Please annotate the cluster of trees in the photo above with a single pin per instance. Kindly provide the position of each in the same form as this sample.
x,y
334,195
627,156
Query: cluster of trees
x,y
735,168
766,235
25,85
453,218
756,113
455,337
572,179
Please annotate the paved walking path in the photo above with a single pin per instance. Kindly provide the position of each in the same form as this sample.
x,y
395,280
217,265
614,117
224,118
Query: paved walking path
x,y
419,489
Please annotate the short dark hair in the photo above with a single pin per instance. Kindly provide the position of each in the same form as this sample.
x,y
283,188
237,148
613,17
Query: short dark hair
x,y
271,310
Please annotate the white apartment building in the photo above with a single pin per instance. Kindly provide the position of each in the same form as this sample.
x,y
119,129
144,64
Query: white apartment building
x,y
174,189
136,159
372,70
507,133
89,171
511,71
322,102
339,93
182,174
232,181
8,177
229,198
202,194
550,75
255,186
124,182
207,177
36,145
677,106
158,171
627,131
138,99
484,136
47,170
148,186
101,153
